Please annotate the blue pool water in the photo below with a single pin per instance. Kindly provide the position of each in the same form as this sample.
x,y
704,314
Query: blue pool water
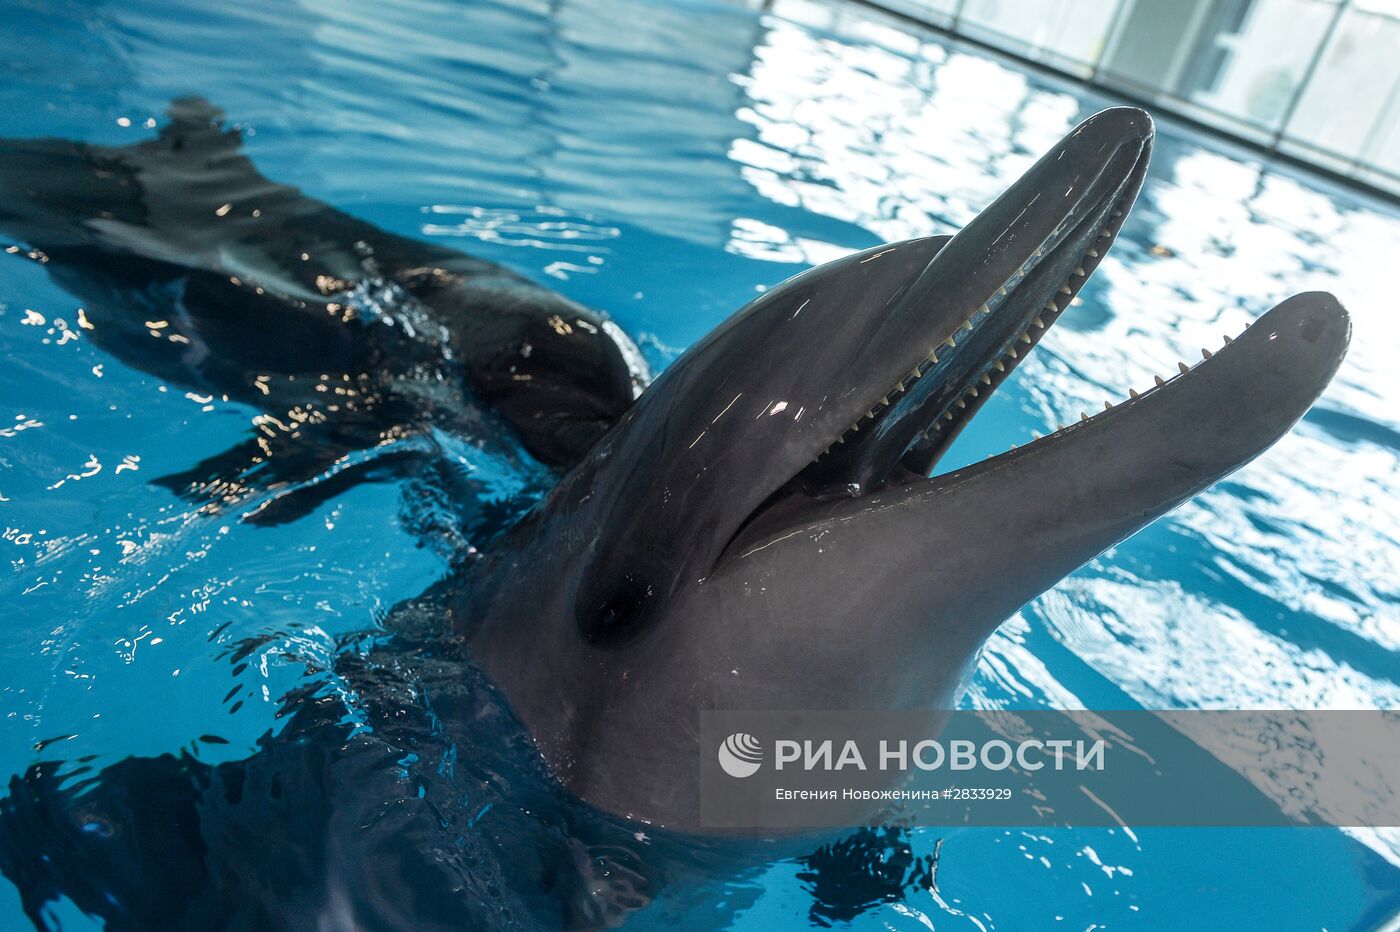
x,y
665,163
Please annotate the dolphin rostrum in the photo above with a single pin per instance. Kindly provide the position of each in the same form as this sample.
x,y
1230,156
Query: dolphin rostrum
x,y
758,530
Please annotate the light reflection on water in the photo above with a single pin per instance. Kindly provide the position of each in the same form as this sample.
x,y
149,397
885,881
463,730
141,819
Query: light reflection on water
x,y
661,163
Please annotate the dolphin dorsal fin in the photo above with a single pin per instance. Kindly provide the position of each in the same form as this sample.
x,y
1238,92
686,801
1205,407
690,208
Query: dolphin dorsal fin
x,y
197,124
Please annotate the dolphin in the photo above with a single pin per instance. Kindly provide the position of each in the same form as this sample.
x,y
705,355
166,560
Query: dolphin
x,y
760,531
762,528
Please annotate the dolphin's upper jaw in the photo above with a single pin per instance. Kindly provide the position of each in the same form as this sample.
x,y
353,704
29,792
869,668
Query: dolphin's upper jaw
x,y
1057,272
910,423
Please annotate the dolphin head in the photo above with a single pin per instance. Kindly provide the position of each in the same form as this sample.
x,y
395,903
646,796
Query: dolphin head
x,y
759,530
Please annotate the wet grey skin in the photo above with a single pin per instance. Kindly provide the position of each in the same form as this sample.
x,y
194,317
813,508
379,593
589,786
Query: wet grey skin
x,y
759,532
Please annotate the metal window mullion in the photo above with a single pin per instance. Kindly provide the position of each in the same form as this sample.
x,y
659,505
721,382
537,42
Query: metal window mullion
x,y
1363,158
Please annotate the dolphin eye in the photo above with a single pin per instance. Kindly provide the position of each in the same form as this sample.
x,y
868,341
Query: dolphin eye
x,y
615,614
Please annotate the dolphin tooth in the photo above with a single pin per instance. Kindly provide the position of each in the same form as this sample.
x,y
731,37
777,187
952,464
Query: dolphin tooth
x,y
1229,339
1104,234
1107,406
1132,394
1083,417
1039,322
1013,446
1094,253
1079,270
914,374
1037,434
949,340
986,379
999,366
1012,353
1064,289
947,415
984,309
1158,379
967,324
932,358
1205,353
1183,367
1052,307
972,391
1118,213
1025,337
962,403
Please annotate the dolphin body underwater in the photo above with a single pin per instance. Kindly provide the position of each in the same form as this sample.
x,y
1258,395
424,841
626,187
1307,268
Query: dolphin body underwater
x,y
757,530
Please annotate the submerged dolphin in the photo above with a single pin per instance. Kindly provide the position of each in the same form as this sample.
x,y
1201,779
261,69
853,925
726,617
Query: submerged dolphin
x,y
196,268
758,530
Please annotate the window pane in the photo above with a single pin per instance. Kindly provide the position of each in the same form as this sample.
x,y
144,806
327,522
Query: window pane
x,y
1242,58
1341,109
1073,30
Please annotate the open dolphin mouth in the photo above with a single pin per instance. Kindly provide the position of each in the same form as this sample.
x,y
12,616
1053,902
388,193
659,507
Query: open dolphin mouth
x,y
911,422
1232,414
1204,421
